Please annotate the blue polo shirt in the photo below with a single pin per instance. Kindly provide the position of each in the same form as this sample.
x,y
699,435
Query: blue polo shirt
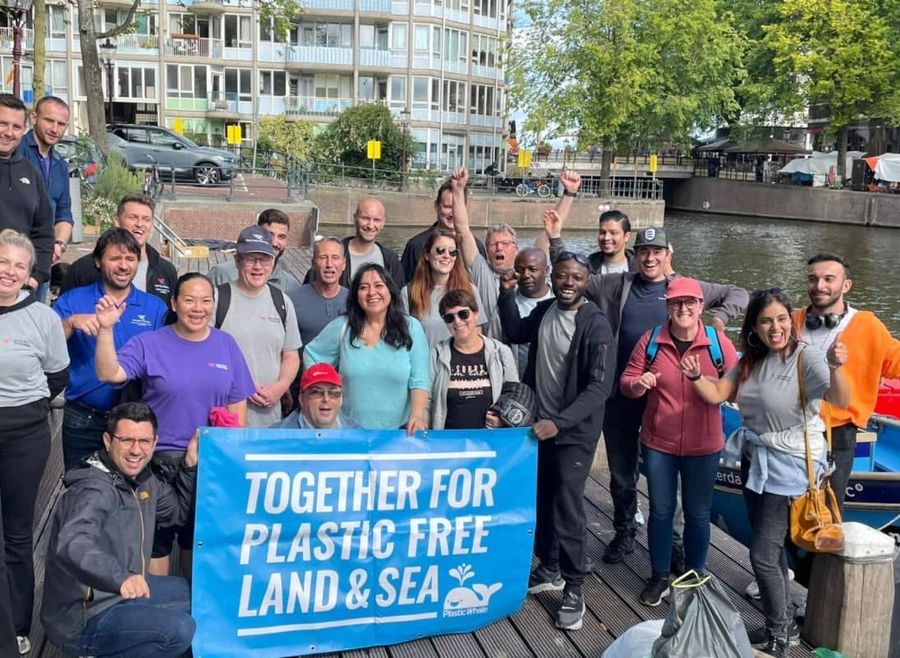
x,y
143,312
55,172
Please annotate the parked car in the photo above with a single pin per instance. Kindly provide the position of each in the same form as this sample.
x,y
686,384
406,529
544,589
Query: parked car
x,y
142,146
82,155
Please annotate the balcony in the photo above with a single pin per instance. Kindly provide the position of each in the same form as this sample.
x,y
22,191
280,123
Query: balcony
x,y
117,4
207,7
485,22
303,106
480,121
320,55
6,38
138,44
190,45
327,5
220,107
379,58
375,6
489,72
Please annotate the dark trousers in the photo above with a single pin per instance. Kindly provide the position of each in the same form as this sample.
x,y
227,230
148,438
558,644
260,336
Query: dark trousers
x,y
621,427
559,527
24,448
83,429
843,445
158,627
8,645
698,476
769,522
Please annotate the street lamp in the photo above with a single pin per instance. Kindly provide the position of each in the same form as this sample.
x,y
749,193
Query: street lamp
x,y
18,9
107,51
404,124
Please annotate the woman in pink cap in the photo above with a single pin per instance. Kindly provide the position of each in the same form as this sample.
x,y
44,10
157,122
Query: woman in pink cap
x,y
680,433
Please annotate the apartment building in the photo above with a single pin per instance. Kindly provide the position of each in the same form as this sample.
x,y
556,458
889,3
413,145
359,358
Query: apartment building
x,y
437,64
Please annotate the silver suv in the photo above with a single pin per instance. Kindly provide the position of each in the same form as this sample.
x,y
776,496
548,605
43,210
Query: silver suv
x,y
141,146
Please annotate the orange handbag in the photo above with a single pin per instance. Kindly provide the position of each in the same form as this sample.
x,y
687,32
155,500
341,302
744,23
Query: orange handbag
x,y
815,516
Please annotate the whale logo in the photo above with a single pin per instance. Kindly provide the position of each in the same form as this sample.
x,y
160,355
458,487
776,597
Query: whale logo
x,y
461,601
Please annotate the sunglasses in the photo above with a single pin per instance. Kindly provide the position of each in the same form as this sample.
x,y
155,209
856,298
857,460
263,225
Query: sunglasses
x,y
581,259
767,291
440,251
463,315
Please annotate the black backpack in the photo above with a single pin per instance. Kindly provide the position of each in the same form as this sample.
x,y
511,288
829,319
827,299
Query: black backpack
x,y
225,301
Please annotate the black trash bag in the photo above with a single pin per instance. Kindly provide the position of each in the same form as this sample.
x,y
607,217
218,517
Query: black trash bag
x,y
702,622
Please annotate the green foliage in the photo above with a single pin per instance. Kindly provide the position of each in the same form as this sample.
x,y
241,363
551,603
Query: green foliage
x,y
293,138
115,181
343,142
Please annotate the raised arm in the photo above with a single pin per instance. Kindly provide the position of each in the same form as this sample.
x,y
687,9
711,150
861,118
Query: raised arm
x,y
459,179
713,391
107,363
723,302
838,392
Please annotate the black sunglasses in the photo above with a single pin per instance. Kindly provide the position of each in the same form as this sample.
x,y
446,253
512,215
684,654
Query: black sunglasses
x,y
440,251
581,259
463,314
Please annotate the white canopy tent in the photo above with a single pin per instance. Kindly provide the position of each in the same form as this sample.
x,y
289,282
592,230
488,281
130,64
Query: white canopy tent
x,y
819,163
888,167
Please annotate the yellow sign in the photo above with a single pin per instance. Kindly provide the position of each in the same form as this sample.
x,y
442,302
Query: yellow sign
x,y
373,149
524,158
233,134
654,164
178,126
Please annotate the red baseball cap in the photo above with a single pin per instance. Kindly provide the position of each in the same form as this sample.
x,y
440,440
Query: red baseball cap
x,y
320,373
684,287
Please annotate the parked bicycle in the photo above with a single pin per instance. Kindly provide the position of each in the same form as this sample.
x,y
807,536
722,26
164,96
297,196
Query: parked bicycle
x,y
533,186
152,186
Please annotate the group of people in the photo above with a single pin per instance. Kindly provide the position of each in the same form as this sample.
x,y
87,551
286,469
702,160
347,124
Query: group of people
x,y
614,344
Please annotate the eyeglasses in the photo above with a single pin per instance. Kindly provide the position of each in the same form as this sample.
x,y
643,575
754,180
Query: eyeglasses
x,y
581,259
440,251
503,244
463,314
129,442
257,260
768,291
686,303
318,393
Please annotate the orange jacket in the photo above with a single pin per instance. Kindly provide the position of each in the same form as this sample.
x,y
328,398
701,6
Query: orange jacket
x,y
874,354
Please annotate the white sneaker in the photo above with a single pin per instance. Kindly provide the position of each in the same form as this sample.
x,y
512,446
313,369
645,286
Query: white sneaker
x,y
24,644
639,515
752,590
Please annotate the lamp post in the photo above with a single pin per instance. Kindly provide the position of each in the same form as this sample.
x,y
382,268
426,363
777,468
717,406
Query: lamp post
x,y
18,10
107,51
404,124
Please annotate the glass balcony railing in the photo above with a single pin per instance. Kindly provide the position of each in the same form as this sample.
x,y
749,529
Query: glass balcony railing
x,y
310,105
138,43
320,55
6,38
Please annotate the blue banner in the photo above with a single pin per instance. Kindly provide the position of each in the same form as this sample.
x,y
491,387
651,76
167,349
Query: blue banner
x,y
310,542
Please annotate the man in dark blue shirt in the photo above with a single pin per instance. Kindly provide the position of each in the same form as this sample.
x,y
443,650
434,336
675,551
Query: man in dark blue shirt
x,y
88,399
50,120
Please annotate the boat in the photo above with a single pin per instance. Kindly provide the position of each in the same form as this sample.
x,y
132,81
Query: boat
x,y
873,492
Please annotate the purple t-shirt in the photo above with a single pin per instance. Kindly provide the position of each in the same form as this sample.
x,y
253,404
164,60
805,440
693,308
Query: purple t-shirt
x,y
183,380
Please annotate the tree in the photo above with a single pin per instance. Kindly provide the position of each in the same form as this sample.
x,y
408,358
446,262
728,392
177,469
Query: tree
x,y
838,53
40,48
293,138
344,140
621,71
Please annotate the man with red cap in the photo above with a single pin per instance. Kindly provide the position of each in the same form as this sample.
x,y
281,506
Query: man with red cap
x,y
321,391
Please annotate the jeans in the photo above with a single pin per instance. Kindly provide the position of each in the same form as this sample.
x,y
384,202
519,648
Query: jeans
x,y
82,433
621,427
158,627
843,445
769,523
698,476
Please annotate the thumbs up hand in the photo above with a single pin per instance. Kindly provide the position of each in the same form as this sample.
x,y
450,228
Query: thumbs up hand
x,y
837,354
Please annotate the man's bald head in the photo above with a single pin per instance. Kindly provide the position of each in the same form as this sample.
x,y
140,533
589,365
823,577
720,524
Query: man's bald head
x,y
532,270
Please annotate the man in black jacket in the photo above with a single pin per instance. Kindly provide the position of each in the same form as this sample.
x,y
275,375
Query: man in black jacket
x,y
571,366
97,592
156,275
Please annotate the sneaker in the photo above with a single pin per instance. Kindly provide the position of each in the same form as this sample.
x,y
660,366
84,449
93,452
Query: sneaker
x,y
752,591
677,565
24,644
656,590
545,580
571,611
621,545
775,646
760,637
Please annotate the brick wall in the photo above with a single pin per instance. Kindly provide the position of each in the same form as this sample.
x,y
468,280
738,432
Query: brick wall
x,y
225,220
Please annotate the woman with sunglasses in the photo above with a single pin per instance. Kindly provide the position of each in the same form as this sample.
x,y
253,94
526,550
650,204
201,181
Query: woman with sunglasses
x,y
467,370
766,385
681,434
440,269
381,354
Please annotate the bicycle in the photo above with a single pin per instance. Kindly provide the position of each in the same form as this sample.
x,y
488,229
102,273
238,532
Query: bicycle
x,y
535,186
153,184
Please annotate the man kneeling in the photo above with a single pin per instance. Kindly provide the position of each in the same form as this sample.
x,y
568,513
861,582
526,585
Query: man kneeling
x,y
98,598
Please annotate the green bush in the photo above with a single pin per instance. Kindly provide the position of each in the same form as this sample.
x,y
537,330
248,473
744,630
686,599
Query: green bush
x,y
113,181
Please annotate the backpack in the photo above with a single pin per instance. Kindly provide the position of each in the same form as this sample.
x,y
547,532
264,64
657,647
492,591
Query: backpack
x,y
224,292
714,347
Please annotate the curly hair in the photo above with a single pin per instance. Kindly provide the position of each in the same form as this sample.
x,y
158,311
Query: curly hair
x,y
422,283
396,330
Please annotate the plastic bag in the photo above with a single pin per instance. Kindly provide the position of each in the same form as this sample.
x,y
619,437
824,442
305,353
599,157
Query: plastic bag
x,y
636,642
702,622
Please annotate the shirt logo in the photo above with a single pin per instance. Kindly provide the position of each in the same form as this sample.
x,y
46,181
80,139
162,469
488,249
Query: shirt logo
x,y
141,321
24,181
219,366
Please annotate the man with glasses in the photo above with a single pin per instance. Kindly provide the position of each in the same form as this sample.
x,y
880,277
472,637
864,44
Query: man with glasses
x,y
155,275
571,366
263,322
97,592
321,394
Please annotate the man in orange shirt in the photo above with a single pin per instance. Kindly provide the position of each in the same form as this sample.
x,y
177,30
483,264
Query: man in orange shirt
x,y
874,353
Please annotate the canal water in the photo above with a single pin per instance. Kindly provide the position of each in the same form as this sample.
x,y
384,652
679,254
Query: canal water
x,y
762,253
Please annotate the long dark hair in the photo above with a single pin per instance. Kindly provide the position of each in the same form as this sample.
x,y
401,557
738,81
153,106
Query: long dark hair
x,y
422,283
755,351
396,331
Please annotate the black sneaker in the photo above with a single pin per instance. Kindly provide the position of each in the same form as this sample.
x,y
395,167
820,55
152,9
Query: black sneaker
x,y
545,580
775,646
621,545
656,590
571,611
760,637
677,565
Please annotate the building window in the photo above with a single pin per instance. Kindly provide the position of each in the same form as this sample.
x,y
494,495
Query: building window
x,y
56,77
483,101
454,96
329,35
267,31
487,8
237,84
56,22
398,91
333,86
185,81
373,37
237,31
272,83
485,50
399,33
140,83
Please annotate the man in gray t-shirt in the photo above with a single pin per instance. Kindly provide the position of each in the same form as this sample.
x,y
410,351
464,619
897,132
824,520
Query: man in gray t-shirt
x,y
269,345
323,299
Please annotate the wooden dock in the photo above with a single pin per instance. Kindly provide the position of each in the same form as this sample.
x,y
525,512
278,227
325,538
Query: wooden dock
x,y
611,591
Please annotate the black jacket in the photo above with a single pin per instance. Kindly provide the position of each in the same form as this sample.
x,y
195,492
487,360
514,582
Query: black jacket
x,y
590,365
102,534
416,245
25,207
596,260
391,265
161,275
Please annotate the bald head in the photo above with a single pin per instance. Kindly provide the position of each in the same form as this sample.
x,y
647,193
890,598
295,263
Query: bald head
x,y
532,271
369,219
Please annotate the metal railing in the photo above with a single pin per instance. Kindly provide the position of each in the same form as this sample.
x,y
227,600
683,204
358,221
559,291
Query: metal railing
x,y
310,105
596,155
188,45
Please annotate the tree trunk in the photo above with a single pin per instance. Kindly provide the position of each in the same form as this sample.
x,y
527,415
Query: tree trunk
x,y
606,158
93,74
40,49
842,154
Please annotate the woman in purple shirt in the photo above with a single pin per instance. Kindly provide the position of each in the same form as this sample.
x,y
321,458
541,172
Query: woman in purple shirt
x,y
185,369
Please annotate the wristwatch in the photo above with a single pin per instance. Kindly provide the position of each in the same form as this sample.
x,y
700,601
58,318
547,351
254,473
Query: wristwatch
x,y
567,193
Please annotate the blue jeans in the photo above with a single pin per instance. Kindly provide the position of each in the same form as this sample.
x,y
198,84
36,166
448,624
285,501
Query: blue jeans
x,y
82,433
158,627
698,477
